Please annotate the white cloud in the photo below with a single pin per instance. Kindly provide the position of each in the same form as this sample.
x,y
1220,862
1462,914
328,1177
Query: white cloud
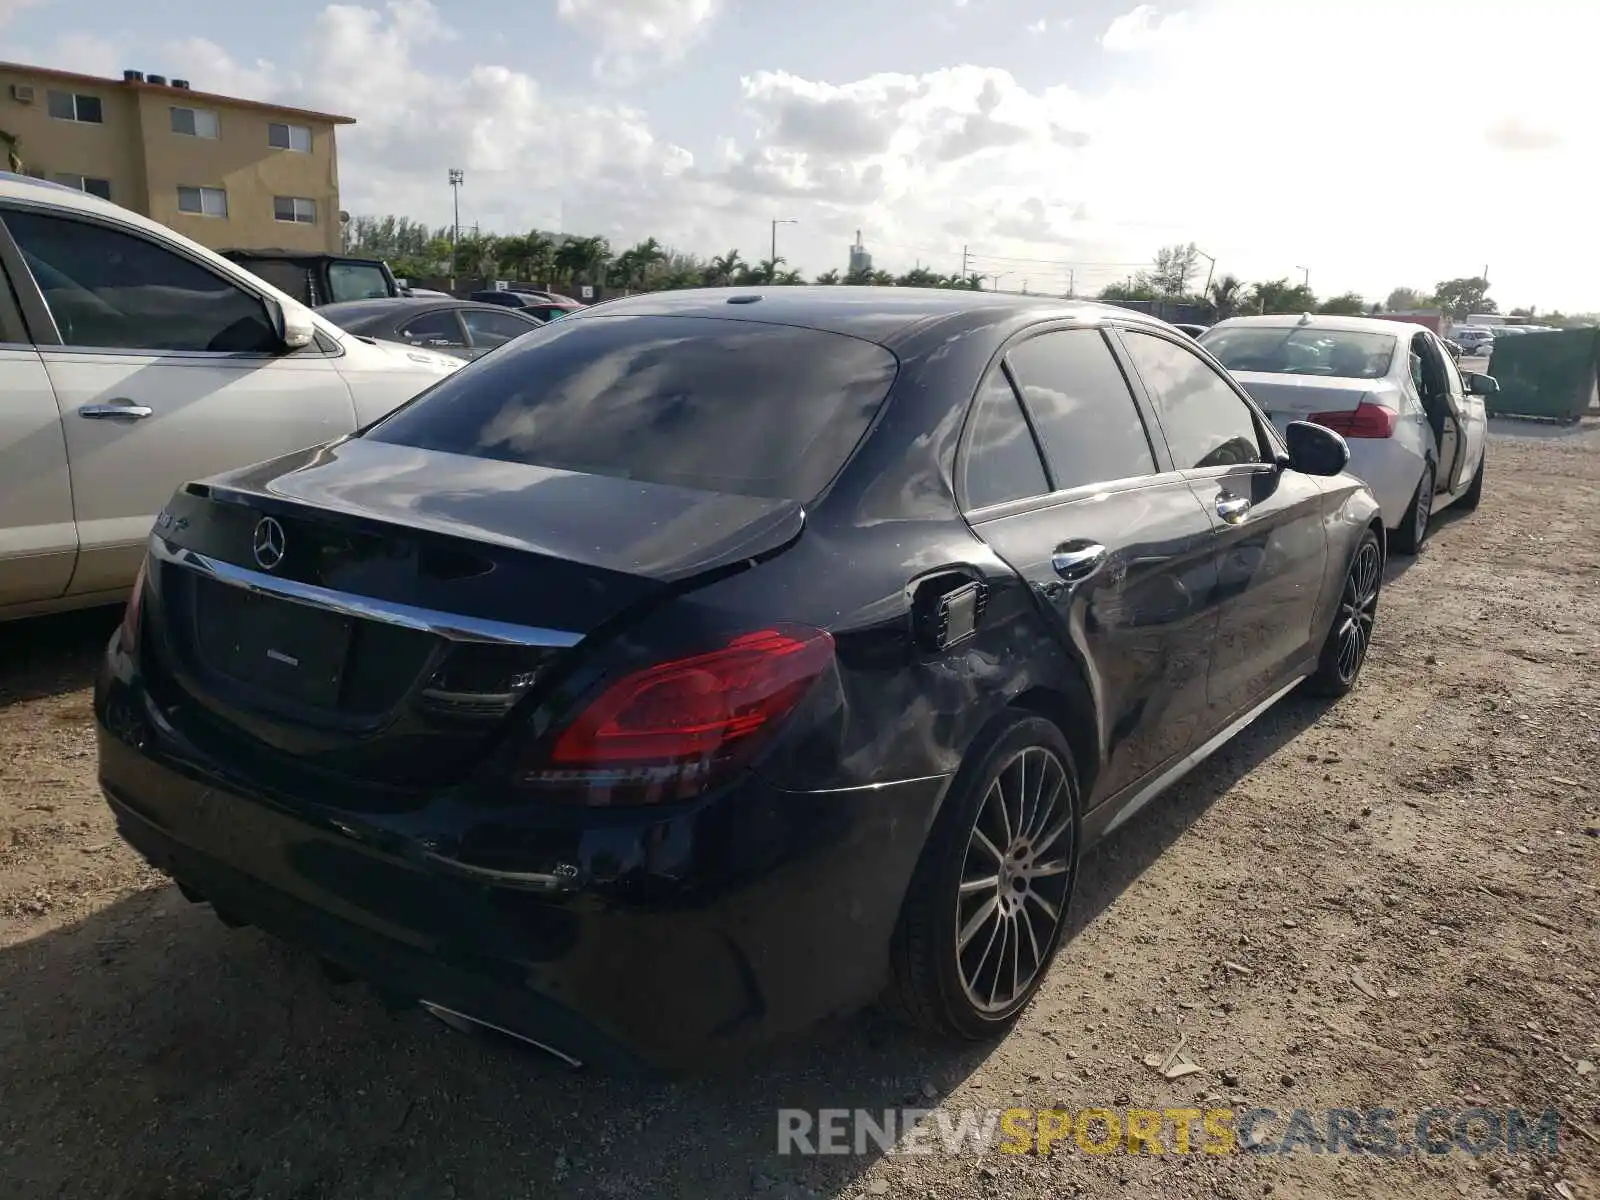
x,y
1143,28
636,35
10,8
1049,25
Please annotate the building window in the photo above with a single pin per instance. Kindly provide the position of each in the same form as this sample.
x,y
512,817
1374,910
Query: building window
x,y
195,122
207,202
294,208
87,183
70,106
289,137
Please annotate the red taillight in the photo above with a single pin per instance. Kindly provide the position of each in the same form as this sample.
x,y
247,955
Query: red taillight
x,y
131,614
1365,421
667,731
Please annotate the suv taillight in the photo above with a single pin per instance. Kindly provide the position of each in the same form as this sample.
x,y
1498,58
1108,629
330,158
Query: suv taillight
x,y
1364,421
668,731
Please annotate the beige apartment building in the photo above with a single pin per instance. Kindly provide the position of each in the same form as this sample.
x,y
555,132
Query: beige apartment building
x,y
228,173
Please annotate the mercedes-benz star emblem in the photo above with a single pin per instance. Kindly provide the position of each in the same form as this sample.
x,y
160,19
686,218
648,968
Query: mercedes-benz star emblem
x,y
268,543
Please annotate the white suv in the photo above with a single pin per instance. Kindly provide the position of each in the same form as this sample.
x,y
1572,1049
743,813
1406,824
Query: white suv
x,y
133,360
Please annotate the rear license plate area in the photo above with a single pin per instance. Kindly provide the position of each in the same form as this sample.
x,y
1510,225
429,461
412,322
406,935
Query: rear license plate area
x,y
292,651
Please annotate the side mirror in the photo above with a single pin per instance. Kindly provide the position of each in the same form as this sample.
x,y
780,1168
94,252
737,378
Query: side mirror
x,y
1479,384
1316,450
292,325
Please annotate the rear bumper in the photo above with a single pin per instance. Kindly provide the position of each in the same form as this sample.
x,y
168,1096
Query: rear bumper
x,y
625,939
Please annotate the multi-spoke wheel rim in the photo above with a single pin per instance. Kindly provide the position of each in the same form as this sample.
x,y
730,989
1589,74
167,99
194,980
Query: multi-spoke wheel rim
x,y
1358,609
1424,504
1015,881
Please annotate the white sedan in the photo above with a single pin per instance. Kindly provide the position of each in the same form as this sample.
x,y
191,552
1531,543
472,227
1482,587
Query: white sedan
x,y
1417,428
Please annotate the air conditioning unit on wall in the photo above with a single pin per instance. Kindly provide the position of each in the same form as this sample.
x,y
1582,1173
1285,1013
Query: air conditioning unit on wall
x,y
22,93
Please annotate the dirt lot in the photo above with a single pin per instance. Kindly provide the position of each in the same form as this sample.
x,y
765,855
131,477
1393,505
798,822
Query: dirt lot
x,y
1404,886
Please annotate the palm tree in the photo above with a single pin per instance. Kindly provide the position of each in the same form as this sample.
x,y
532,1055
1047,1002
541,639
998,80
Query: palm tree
x,y
538,256
827,278
1225,296
641,258
789,278
882,278
767,271
724,268
919,277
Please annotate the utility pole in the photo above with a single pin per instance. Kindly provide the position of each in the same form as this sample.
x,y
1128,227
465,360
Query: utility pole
x,y
1072,282
1211,269
1305,280
457,176
963,263
775,224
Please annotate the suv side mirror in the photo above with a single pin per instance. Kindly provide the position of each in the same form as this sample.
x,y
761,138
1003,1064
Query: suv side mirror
x,y
1316,450
1479,384
292,325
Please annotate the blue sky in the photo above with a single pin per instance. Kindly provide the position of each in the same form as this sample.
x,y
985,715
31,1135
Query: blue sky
x,y
1376,142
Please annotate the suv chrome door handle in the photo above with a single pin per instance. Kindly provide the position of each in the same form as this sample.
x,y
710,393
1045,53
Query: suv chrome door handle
x,y
102,412
1078,563
1232,509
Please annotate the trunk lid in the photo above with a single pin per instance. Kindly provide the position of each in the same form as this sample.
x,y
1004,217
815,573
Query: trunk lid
x,y
402,601
1296,397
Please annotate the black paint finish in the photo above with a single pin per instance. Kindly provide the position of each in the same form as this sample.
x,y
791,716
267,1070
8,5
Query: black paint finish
x,y
387,829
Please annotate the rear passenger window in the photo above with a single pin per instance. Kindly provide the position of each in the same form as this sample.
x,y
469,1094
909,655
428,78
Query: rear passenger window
x,y
1206,423
1002,462
1080,403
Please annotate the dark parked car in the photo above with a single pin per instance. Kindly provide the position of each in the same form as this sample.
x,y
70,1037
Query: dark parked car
x,y
315,279
1193,331
717,660
544,305
457,327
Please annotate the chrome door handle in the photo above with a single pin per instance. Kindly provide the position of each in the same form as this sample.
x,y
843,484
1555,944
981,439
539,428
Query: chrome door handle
x,y
1232,509
103,412
1078,563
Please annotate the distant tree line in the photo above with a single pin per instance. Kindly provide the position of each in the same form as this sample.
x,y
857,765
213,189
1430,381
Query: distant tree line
x,y
415,250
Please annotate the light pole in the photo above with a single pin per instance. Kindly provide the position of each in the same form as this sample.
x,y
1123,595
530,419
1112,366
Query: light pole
x,y
1211,269
1305,278
776,222
457,177
995,279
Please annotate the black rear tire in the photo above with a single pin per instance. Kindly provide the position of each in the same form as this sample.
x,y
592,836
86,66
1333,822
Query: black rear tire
x,y
1413,529
941,982
1345,651
1474,493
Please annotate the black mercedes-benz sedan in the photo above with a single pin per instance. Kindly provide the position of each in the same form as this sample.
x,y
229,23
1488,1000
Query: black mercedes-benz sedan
x,y
707,662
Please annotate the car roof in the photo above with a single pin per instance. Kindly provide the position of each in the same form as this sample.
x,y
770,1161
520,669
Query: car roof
x,y
400,305
1326,322
880,314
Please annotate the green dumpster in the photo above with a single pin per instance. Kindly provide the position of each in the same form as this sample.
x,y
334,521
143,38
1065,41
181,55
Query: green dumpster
x,y
1551,375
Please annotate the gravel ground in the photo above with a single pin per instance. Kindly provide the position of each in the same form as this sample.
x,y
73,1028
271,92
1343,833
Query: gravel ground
x,y
1388,902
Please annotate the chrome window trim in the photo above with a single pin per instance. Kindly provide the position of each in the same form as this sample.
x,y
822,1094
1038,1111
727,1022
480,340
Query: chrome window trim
x,y
452,626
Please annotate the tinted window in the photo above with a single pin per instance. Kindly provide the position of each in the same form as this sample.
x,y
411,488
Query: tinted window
x,y
106,288
723,405
1001,463
1293,350
490,329
1081,406
434,329
1206,423
356,281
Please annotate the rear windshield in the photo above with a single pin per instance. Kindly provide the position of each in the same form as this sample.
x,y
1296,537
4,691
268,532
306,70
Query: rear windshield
x,y
1275,350
719,405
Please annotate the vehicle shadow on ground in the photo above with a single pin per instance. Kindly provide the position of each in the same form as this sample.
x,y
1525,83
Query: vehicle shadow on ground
x,y
154,1055
42,657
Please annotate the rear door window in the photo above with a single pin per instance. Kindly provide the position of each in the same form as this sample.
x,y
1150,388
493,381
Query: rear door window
x,y
1205,421
436,330
710,403
1001,462
1088,423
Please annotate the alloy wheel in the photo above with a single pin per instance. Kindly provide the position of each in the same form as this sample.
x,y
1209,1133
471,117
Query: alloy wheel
x,y
1424,505
1358,609
1015,881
